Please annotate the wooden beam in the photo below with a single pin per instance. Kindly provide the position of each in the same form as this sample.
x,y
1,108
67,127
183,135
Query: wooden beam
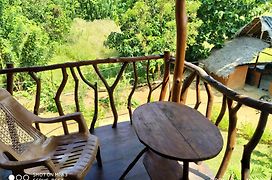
x,y
181,22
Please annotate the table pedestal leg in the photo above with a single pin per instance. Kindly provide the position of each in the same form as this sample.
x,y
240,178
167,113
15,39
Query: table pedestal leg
x,y
133,163
185,175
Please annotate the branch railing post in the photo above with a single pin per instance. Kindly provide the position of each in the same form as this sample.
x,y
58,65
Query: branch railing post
x,y
210,100
10,78
251,145
232,134
135,74
166,76
186,84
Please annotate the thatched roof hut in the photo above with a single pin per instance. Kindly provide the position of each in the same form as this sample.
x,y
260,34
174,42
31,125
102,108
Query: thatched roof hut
x,y
260,27
248,42
238,51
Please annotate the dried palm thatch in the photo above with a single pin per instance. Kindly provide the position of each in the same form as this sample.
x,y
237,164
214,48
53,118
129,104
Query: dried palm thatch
x,y
239,51
249,41
260,27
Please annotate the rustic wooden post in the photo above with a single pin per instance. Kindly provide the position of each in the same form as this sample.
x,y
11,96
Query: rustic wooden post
x,y
37,97
186,84
222,111
38,92
232,131
181,21
210,100
166,75
135,74
111,88
76,88
57,98
250,146
95,88
148,82
198,99
10,78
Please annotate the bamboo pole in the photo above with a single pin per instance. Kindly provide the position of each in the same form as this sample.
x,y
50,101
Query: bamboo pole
x,y
181,22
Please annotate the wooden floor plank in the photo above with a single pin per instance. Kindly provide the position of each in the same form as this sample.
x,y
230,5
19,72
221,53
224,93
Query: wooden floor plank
x,y
118,149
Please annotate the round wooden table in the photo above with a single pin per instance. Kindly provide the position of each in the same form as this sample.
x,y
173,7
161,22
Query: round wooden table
x,y
176,132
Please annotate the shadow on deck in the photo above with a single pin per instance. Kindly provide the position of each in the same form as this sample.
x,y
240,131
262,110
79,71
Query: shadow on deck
x,y
118,149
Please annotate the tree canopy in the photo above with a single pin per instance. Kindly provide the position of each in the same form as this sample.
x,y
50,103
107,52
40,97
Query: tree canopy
x,y
30,29
149,26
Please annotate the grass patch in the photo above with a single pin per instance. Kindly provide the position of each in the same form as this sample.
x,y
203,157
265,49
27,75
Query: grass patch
x,y
224,124
248,129
244,129
261,161
86,41
264,57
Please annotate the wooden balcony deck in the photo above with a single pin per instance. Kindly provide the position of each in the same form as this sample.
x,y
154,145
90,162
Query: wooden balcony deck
x,y
119,147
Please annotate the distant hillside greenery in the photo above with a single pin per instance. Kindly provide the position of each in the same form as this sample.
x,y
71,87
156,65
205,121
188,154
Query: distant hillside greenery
x,y
32,30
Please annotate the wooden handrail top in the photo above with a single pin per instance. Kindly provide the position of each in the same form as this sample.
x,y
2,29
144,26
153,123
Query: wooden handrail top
x,y
243,99
80,63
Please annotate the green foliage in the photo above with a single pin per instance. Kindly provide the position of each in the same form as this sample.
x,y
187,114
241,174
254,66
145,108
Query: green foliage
x,y
264,8
135,103
96,9
221,20
104,102
23,41
148,27
54,16
47,98
121,7
35,50
30,30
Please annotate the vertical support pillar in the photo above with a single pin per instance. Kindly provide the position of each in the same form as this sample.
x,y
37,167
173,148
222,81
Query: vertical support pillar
x,y
181,22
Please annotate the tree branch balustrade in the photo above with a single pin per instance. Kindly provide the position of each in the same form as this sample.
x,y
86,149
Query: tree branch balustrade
x,y
197,75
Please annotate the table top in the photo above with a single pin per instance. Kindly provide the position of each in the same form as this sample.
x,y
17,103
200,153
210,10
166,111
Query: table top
x,y
176,131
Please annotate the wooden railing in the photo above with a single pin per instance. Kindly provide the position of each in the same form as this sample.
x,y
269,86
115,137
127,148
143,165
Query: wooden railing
x,y
75,70
231,100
